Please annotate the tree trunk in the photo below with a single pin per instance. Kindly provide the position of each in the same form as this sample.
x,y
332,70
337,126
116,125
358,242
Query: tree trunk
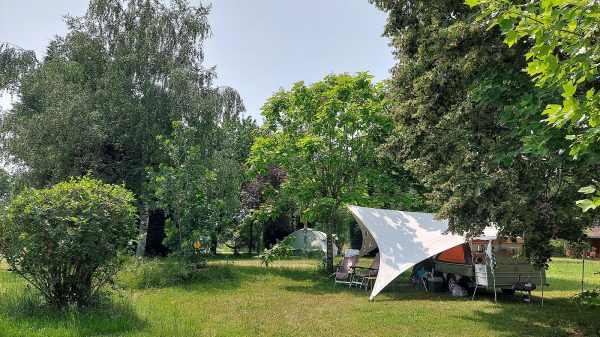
x,y
250,239
330,227
305,239
213,244
144,220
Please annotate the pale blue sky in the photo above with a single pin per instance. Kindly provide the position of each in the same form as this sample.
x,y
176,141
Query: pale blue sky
x,y
258,46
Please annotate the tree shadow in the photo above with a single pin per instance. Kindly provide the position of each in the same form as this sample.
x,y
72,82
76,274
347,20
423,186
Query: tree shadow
x,y
24,309
558,317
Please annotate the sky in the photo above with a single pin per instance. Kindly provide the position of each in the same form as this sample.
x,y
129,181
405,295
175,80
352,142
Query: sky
x,y
258,46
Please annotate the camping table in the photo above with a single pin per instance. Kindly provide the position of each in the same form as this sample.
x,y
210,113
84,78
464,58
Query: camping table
x,y
368,280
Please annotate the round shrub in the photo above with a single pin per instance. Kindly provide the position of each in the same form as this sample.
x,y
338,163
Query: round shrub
x,y
67,240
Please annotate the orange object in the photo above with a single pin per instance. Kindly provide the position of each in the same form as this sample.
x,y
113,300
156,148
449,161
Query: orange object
x,y
197,245
455,254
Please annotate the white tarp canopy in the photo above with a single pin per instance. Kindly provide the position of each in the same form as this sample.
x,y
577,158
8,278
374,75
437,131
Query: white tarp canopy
x,y
404,239
315,240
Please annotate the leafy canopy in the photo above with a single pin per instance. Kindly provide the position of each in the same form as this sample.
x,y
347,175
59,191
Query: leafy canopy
x,y
118,79
461,125
564,56
325,137
200,186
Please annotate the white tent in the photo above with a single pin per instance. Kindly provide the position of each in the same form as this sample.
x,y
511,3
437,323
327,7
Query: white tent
x,y
404,239
315,240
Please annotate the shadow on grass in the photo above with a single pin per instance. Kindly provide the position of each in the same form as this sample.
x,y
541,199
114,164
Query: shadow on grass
x,y
558,317
23,311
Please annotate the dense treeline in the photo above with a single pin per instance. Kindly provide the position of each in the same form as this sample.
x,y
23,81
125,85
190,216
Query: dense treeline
x,y
468,121
457,130
124,96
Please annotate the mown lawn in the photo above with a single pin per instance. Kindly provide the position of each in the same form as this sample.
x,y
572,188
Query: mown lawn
x,y
292,298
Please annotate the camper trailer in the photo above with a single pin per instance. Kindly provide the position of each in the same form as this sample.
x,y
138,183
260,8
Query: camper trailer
x,y
442,259
468,265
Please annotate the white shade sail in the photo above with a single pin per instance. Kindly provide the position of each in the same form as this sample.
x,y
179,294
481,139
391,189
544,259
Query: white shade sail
x,y
404,239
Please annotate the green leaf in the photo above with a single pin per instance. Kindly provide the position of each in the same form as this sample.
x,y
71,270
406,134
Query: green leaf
x,y
552,109
569,89
587,189
590,93
511,38
506,24
585,204
472,3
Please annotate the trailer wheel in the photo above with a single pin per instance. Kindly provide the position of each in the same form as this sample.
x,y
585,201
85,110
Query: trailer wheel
x,y
508,291
455,287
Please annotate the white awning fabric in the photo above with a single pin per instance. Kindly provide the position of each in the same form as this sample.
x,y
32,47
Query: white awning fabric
x,y
404,239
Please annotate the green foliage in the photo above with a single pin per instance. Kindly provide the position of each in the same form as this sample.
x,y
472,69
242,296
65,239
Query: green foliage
x,y
558,248
564,56
577,248
199,186
107,93
106,90
593,202
5,184
280,251
67,240
15,62
325,138
172,271
156,273
589,297
467,125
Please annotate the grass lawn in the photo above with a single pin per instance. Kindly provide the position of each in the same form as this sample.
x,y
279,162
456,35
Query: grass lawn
x,y
240,298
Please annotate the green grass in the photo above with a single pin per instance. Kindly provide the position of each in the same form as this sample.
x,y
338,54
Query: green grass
x,y
237,297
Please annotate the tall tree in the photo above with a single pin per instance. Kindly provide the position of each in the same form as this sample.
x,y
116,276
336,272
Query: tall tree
x,y
458,93
97,102
324,136
565,57
201,194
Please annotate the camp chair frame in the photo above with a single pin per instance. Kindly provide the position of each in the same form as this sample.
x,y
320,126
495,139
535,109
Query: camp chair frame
x,y
365,278
369,274
349,274
421,277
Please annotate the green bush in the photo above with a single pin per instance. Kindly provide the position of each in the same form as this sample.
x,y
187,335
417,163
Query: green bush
x,y
67,240
156,273
558,248
280,251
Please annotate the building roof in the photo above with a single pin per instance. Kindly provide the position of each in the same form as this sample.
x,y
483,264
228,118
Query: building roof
x,y
594,232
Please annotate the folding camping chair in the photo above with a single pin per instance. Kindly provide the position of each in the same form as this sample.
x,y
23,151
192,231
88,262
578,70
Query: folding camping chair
x,y
345,271
421,276
367,275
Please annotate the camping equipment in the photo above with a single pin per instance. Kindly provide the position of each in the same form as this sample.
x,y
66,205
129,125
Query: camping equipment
x,y
345,271
367,275
315,241
408,238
